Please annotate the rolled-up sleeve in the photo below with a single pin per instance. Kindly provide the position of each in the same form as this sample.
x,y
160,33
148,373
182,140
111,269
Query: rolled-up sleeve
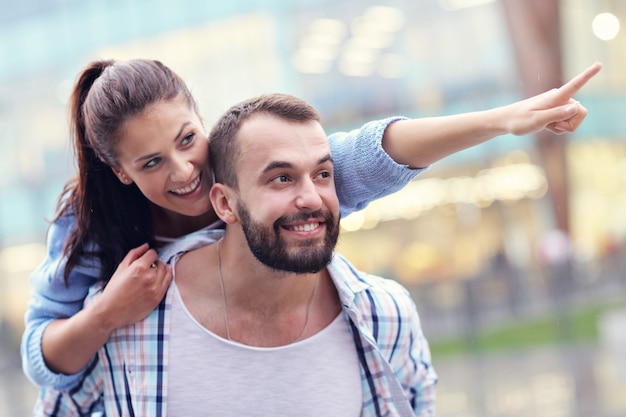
x,y
52,299
364,172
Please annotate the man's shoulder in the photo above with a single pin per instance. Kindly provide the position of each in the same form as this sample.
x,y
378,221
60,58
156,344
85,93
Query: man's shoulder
x,y
363,284
382,307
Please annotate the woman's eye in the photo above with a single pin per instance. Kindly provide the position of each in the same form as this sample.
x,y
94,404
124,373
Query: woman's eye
x,y
187,139
152,163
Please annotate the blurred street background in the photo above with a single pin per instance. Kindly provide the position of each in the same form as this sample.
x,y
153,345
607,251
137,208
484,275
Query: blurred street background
x,y
514,250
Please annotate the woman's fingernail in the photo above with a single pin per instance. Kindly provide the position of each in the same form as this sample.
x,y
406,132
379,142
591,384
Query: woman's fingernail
x,y
570,110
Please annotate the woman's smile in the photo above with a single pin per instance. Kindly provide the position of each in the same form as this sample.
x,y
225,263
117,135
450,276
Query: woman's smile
x,y
183,191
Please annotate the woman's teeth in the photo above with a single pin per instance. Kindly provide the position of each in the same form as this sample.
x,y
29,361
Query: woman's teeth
x,y
189,188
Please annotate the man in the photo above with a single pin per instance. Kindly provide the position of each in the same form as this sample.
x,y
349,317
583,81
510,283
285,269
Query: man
x,y
299,330
269,320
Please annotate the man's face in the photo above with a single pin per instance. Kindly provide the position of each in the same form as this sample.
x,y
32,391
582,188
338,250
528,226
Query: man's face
x,y
287,203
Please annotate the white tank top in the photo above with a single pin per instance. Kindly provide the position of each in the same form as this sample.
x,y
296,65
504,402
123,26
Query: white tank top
x,y
211,376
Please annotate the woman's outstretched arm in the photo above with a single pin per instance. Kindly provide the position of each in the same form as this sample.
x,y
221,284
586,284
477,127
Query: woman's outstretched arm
x,y
421,142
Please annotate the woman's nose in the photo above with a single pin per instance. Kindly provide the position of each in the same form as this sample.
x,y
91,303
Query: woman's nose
x,y
181,170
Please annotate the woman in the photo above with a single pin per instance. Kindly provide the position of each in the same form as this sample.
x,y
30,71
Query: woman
x,y
143,181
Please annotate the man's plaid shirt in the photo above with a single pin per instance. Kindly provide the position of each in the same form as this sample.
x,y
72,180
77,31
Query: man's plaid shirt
x,y
129,375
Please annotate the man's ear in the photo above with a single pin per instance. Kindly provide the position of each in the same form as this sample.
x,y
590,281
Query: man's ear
x,y
121,175
223,200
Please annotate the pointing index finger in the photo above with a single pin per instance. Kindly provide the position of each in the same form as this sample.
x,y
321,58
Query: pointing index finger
x,y
580,80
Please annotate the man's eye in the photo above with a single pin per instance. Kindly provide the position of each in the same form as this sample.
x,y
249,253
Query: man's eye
x,y
281,179
324,175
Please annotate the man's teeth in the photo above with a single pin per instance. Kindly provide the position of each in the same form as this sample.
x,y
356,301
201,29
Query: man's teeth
x,y
306,227
189,188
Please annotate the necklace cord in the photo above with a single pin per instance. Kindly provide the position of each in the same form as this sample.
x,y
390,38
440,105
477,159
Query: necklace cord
x,y
226,318
219,273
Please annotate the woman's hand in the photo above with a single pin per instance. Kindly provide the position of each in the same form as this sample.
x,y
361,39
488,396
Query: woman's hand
x,y
555,110
135,289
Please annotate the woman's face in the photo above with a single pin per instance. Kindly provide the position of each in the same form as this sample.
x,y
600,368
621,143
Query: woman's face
x,y
164,151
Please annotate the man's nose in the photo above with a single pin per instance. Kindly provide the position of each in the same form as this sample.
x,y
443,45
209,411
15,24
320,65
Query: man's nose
x,y
308,196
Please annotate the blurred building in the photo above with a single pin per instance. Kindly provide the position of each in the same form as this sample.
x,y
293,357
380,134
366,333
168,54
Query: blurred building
x,y
354,61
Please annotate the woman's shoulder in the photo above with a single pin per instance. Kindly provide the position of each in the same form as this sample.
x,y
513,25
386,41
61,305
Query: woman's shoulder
x,y
58,231
191,241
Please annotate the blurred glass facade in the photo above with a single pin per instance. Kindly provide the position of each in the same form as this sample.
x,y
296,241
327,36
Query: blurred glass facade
x,y
472,238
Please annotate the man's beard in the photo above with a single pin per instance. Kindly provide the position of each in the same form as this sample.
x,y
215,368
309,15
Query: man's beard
x,y
270,248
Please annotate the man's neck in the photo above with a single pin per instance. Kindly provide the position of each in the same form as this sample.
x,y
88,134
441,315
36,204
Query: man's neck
x,y
256,305
251,285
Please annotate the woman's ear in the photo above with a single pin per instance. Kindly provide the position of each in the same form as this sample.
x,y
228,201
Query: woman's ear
x,y
121,175
223,201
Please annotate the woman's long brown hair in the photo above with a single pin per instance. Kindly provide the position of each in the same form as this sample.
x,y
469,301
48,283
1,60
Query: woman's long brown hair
x,y
111,218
